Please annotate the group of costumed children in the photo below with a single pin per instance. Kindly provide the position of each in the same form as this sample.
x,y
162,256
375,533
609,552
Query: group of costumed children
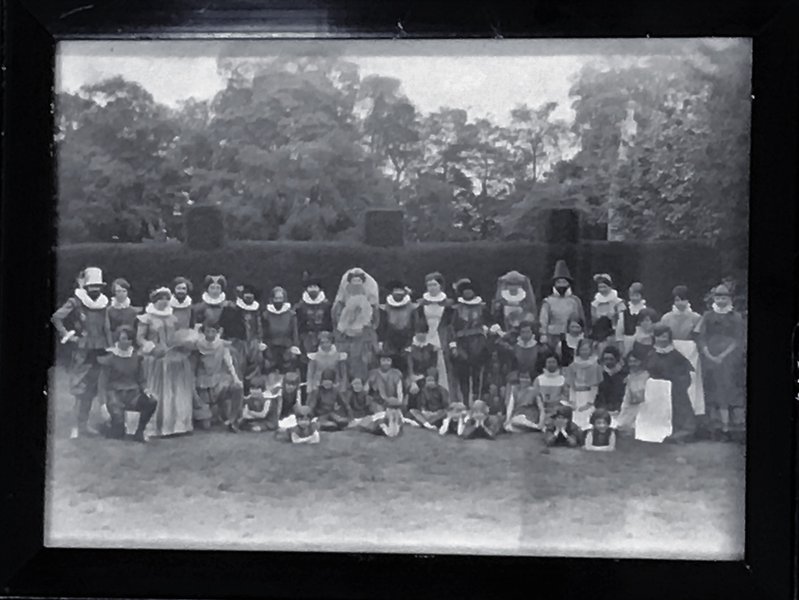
x,y
459,366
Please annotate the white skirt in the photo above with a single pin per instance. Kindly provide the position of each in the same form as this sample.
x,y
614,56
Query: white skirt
x,y
696,392
653,422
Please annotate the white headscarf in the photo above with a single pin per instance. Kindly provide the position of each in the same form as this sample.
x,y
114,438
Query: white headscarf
x,y
369,285
354,311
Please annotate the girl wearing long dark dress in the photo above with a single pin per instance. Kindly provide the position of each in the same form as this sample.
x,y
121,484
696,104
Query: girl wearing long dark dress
x,y
720,336
667,364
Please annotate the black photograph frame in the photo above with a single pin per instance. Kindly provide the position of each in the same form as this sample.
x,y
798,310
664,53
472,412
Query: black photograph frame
x,y
27,569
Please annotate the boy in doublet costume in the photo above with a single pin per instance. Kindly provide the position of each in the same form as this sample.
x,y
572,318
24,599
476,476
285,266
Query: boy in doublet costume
x,y
82,321
209,310
470,344
395,333
313,315
241,325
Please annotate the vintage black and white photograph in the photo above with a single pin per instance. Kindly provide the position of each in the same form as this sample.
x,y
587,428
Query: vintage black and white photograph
x,y
427,296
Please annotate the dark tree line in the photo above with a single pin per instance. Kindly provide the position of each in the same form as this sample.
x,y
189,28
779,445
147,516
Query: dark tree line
x,y
298,146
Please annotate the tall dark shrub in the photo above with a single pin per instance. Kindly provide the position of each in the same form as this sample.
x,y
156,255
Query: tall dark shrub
x,y
205,228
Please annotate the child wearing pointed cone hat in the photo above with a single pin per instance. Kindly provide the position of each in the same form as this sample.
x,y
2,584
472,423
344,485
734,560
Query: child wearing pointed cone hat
x,y
560,306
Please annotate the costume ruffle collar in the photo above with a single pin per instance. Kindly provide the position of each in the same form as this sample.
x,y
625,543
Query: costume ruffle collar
x,y
213,301
120,305
249,307
614,370
152,310
398,304
722,311
206,347
306,297
121,353
584,362
473,302
99,304
664,350
677,311
636,308
566,295
437,299
572,341
284,308
175,303
522,344
517,298
611,298
556,377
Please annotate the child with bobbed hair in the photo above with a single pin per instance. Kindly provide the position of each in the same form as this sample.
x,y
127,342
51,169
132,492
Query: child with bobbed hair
x,y
561,430
600,438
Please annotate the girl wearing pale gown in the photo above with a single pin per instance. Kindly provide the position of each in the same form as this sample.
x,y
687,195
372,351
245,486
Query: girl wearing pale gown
x,y
168,372
434,315
355,316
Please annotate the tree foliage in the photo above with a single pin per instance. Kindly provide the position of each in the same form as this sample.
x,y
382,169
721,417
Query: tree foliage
x,y
297,147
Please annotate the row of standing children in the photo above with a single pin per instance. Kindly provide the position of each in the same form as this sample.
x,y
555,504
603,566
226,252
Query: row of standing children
x,y
469,360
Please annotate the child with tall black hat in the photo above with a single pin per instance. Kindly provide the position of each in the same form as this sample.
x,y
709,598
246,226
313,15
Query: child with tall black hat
x,y
209,309
279,323
82,320
241,325
560,306
469,346
396,323
313,314
181,302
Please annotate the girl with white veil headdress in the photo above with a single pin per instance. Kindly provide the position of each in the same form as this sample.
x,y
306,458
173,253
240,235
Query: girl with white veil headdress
x,y
355,316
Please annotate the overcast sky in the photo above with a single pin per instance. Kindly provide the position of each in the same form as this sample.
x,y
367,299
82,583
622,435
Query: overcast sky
x,y
486,77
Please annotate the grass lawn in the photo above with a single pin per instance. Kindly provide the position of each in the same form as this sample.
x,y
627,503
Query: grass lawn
x,y
417,493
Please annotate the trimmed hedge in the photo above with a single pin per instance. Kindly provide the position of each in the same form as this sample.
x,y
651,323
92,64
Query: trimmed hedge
x,y
658,265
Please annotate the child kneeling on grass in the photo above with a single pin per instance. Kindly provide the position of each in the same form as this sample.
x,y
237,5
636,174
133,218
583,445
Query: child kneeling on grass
x,y
304,431
455,419
561,430
122,381
219,391
600,438
480,423
432,402
525,410
328,405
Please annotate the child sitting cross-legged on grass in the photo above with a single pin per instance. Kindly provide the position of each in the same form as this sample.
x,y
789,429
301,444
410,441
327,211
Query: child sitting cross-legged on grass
x,y
525,411
362,406
261,404
600,438
328,405
304,431
432,402
480,423
561,430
